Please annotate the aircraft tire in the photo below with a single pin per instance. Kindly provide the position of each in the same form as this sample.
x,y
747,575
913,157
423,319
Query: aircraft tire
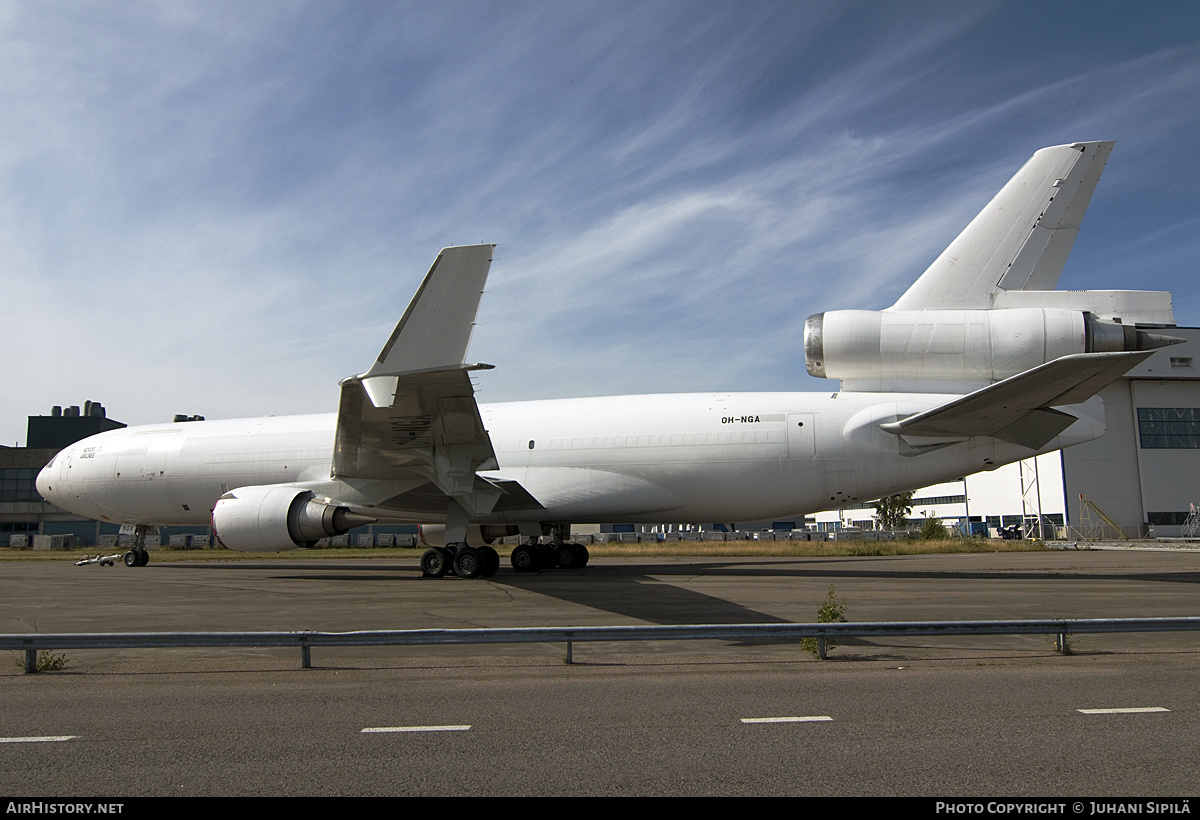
x,y
467,562
524,559
434,562
143,558
490,562
131,559
568,557
584,555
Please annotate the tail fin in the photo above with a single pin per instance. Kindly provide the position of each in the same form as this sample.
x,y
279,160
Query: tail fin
x,y
1021,240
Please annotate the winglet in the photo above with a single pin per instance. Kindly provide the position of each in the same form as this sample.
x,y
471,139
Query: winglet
x,y
1021,240
435,330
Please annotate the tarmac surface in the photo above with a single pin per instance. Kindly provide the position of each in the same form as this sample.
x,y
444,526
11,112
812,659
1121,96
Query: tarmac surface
x,y
949,716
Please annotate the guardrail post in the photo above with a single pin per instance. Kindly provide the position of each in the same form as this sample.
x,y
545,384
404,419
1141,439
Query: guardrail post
x,y
569,652
821,648
30,661
305,656
1060,644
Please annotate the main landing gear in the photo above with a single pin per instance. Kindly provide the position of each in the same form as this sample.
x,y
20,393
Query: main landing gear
x,y
533,556
483,562
462,560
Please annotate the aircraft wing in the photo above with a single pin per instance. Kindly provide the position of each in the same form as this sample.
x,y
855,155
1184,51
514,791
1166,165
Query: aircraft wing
x,y
412,418
1021,240
1020,408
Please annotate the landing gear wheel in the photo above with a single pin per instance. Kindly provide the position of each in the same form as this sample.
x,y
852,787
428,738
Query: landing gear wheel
x,y
568,557
572,556
143,558
435,562
467,562
524,559
490,562
131,559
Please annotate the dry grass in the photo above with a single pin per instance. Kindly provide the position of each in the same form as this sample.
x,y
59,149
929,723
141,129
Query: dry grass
x,y
730,549
811,549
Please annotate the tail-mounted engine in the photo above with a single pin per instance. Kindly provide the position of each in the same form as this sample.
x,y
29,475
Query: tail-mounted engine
x,y
275,517
943,350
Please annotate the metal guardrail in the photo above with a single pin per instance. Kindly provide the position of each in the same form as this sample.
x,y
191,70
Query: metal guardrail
x,y
1060,628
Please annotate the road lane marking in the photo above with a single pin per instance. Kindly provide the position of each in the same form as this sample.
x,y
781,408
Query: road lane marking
x,y
805,719
45,739
379,729
1126,711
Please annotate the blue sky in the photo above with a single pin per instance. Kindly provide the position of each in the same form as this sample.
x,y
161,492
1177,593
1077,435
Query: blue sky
x,y
223,208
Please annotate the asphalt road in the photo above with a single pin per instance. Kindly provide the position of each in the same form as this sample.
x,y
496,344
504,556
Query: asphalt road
x,y
934,717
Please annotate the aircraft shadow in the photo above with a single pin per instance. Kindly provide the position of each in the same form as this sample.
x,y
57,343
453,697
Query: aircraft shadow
x,y
646,593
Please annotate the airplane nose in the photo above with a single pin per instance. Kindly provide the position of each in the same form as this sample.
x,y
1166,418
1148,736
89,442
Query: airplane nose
x,y
43,482
47,481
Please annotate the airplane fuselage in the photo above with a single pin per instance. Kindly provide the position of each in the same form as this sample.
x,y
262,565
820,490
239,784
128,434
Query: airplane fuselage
x,y
681,458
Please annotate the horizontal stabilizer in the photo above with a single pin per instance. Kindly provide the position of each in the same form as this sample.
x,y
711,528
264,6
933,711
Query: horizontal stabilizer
x,y
1021,240
1020,408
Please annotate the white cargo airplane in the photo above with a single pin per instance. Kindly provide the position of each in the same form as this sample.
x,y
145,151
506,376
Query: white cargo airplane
x,y
980,363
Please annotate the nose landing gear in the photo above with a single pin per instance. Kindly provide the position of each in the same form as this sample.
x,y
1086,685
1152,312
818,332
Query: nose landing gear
x,y
137,555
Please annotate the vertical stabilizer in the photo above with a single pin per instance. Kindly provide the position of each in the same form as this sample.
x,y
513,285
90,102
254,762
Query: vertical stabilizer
x,y
1021,240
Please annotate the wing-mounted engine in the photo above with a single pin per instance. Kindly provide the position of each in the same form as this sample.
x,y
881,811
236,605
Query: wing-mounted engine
x,y
953,351
277,517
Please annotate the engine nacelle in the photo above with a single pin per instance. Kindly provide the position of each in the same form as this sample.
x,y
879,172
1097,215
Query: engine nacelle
x,y
276,517
434,535
935,350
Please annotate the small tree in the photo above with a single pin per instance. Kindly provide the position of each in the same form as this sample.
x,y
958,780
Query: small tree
x,y
891,513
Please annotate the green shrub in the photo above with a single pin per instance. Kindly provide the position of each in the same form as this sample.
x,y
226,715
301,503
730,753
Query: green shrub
x,y
933,529
46,661
831,611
